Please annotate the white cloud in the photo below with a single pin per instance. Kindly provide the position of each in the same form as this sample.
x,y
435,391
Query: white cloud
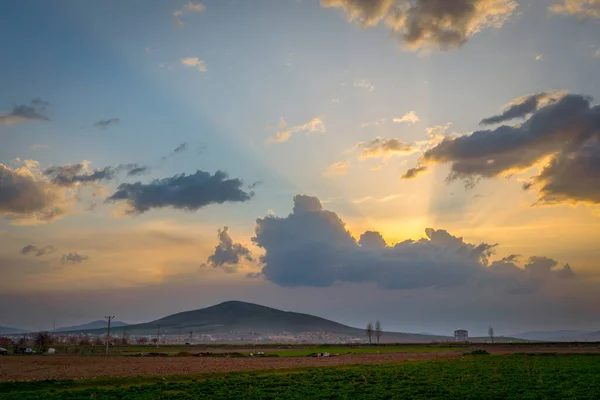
x,y
314,125
539,57
579,8
410,117
337,169
364,84
194,62
188,8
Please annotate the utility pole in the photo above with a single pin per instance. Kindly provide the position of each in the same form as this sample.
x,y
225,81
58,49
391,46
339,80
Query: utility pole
x,y
108,332
157,335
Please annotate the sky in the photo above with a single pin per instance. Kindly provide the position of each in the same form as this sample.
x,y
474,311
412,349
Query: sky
x,y
434,164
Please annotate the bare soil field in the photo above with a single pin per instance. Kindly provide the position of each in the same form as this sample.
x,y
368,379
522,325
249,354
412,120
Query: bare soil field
x,y
33,368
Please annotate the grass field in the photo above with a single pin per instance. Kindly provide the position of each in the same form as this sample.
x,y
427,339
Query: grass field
x,y
469,377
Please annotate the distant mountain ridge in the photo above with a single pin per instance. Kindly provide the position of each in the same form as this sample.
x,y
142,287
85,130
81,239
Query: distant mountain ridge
x,y
6,330
98,324
561,336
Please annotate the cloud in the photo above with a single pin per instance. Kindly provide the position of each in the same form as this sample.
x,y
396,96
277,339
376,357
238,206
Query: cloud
x,y
194,62
228,255
28,197
384,148
364,84
564,134
38,251
254,275
523,106
410,117
311,247
188,8
26,112
428,24
597,54
412,173
105,123
581,9
314,125
337,169
183,192
73,174
379,122
571,177
73,258
181,148
539,57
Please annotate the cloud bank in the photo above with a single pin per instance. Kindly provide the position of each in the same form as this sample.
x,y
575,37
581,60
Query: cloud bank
x,y
311,247
562,136
428,24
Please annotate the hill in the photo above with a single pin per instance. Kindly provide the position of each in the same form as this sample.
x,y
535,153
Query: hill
x,y
99,324
241,317
5,330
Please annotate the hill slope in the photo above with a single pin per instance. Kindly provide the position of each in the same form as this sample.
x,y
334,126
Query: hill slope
x,y
244,318
239,316
99,324
6,330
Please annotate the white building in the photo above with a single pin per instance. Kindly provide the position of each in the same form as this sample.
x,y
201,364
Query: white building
x,y
461,335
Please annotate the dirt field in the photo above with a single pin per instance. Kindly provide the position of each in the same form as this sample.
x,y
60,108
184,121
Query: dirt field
x,y
33,368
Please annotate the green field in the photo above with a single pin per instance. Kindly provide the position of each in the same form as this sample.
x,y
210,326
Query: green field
x,y
469,377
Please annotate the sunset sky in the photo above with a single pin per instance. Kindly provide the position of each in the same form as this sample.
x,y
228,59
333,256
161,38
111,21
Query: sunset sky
x,y
434,164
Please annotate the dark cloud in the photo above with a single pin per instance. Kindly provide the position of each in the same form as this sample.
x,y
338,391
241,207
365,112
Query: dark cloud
x,y
181,148
571,176
185,192
311,247
566,130
38,251
254,275
39,102
227,254
72,174
74,258
138,170
522,107
413,173
105,123
26,112
442,24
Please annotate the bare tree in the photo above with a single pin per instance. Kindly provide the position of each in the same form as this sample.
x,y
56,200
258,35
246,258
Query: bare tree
x,y
142,340
84,341
491,333
369,331
155,340
42,340
378,331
